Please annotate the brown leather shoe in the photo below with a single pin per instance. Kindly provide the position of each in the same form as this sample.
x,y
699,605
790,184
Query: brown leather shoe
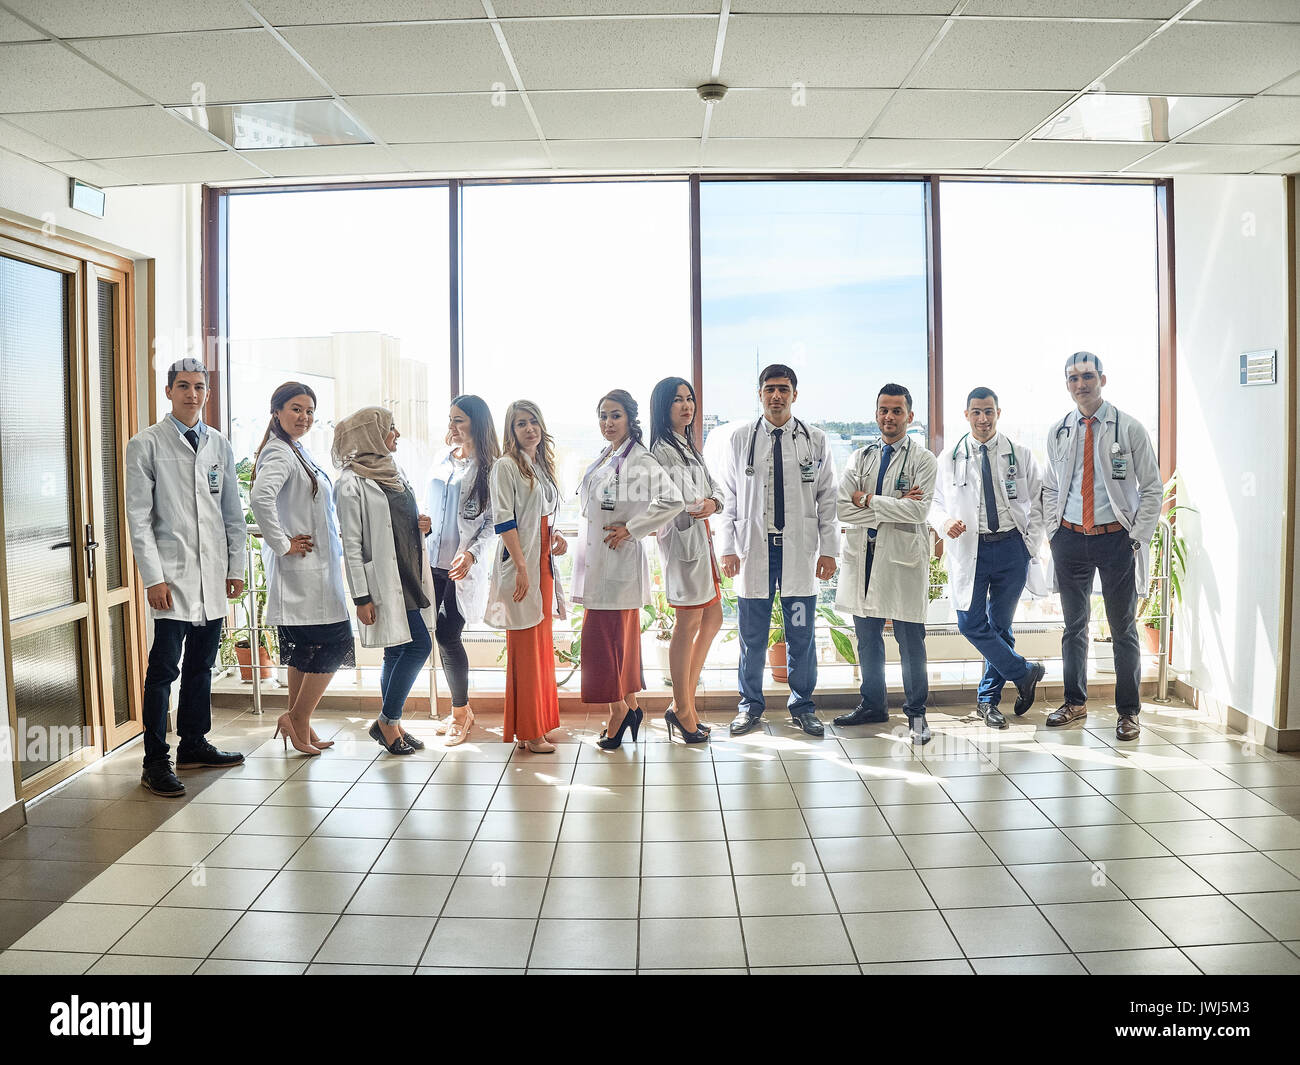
x,y
1066,714
1127,728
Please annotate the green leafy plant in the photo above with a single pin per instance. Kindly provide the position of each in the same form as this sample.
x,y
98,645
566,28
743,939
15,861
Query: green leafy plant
x,y
840,635
938,577
1149,608
255,589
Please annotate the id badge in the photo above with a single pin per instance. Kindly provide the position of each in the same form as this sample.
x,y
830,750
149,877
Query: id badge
x,y
806,473
1118,468
903,484
214,480
470,509
1009,485
607,500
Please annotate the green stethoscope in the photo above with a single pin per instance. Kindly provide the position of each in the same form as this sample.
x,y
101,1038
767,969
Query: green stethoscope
x,y
1011,467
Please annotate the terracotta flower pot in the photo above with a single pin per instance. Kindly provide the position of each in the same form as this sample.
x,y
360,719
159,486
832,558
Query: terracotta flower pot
x,y
776,660
1151,637
244,656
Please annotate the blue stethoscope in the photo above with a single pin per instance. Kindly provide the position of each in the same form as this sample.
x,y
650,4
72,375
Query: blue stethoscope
x,y
1011,467
805,464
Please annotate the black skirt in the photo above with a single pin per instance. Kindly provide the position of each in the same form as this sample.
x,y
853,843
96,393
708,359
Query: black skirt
x,y
317,648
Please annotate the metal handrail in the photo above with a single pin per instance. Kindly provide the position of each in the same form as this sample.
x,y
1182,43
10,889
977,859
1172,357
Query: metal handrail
x,y
1165,576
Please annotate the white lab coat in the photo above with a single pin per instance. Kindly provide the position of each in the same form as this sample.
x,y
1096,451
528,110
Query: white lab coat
x,y
183,532
644,498
301,589
685,551
477,535
900,572
516,503
1136,500
810,526
957,492
370,557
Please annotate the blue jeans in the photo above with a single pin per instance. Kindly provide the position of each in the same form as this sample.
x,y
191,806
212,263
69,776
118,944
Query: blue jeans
x,y
194,705
402,664
1000,571
1077,558
871,658
799,614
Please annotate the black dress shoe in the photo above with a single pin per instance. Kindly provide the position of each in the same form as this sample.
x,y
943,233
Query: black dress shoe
x,y
744,722
205,756
809,722
920,729
159,778
411,741
1027,685
992,715
860,715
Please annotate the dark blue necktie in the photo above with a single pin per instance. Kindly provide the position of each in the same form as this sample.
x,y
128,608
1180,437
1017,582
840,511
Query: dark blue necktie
x,y
885,456
990,500
778,483
193,437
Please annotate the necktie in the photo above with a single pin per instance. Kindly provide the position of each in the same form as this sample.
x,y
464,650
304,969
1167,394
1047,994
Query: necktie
x,y
193,437
990,500
885,456
1088,462
778,482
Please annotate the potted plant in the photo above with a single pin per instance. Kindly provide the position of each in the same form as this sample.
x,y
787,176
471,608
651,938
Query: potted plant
x,y
776,657
1148,609
939,612
244,656
841,638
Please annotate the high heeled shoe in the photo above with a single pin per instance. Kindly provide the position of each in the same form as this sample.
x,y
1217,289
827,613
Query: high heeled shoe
x,y
700,726
316,741
440,729
459,731
284,728
398,746
698,736
632,720
538,746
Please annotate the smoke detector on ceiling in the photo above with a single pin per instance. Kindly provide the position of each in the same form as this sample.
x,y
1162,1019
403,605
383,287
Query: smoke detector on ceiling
x,y
711,92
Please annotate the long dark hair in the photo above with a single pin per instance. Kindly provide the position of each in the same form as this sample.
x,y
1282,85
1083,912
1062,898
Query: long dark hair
x,y
624,399
279,398
661,415
486,448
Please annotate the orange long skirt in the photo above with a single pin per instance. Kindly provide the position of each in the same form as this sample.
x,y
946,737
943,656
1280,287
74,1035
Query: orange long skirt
x,y
532,706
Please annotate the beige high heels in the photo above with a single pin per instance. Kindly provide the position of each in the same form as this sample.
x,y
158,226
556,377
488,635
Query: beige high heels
x,y
541,745
458,732
284,728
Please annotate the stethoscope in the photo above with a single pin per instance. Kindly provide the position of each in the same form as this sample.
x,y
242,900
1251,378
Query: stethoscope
x,y
1011,467
610,494
902,481
805,464
1067,427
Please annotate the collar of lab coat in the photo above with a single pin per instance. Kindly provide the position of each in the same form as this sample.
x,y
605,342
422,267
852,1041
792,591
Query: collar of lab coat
x,y
789,426
182,428
1105,413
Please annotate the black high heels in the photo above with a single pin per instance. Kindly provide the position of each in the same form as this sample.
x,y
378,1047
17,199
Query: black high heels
x,y
698,736
632,720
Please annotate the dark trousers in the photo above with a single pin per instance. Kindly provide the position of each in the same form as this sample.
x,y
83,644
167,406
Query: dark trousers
x,y
1077,558
1000,571
755,624
871,659
402,664
199,644
448,624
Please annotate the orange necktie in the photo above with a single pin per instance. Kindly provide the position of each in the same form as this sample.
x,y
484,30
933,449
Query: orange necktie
x,y
1088,463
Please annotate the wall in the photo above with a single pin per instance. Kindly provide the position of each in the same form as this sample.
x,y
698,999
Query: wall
x,y
156,223
1231,289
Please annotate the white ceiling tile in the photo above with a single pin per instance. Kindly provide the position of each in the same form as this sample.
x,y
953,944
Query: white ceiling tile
x,y
668,53
327,12
1212,158
1289,165
95,173
997,54
626,154
764,153
845,7
450,57
459,117
814,112
916,155
182,169
24,143
47,77
480,156
1289,87
77,18
525,8
332,159
231,67
948,114
619,115
1211,59
1264,120
15,29
1081,158
104,134
1247,11
851,51
1161,9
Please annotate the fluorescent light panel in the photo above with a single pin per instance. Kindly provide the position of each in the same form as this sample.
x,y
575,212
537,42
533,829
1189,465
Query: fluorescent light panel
x,y
285,124
1101,116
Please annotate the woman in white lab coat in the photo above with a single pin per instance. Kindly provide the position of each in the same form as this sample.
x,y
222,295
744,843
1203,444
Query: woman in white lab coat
x,y
524,593
460,543
387,565
293,501
690,569
625,494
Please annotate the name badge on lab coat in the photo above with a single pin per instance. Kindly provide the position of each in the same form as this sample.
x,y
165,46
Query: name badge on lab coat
x,y
214,480
1009,485
903,484
607,499
1118,468
806,471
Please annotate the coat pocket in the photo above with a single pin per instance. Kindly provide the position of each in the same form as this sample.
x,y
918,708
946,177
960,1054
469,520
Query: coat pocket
x,y
372,583
907,546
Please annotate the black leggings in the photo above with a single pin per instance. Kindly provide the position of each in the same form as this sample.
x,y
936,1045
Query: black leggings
x,y
448,625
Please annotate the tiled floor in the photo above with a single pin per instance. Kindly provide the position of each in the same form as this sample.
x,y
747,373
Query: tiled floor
x,y
1021,851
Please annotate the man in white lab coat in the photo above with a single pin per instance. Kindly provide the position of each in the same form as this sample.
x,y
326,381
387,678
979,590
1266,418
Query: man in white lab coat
x,y
1101,501
988,505
188,535
777,529
884,498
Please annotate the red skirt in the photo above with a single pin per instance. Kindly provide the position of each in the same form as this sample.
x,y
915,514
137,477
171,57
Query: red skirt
x,y
532,706
611,655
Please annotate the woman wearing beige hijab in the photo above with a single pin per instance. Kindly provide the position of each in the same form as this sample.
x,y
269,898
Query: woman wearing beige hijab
x,y
386,562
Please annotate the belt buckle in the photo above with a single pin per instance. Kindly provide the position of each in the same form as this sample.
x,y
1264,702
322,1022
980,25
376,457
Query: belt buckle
x,y
775,539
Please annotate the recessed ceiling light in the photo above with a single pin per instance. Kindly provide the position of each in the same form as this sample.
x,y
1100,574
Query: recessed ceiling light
x,y
285,124
1101,116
